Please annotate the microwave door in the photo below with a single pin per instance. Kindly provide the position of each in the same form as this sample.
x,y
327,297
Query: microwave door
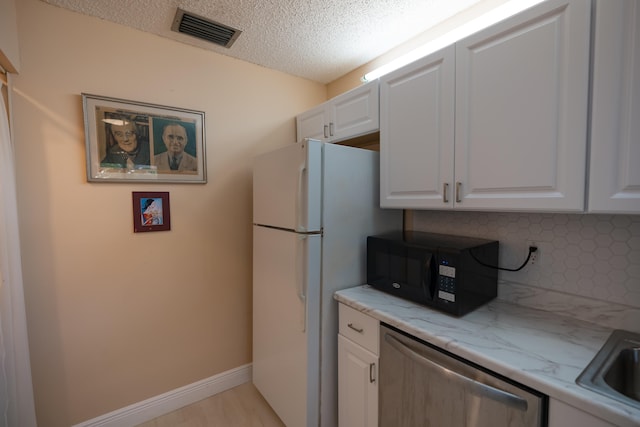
x,y
402,271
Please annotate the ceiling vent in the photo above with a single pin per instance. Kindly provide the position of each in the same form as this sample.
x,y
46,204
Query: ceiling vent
x,y
203,28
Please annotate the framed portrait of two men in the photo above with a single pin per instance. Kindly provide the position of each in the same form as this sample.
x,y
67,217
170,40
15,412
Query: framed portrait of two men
x,y
129,141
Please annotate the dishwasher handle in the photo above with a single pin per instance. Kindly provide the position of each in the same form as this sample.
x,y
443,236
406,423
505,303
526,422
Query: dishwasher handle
x,y
477,387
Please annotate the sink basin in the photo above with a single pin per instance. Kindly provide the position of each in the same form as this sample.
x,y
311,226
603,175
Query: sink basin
x,y
624,373
615,369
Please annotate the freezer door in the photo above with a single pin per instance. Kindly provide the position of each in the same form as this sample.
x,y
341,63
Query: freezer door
x,y
286,322
287,187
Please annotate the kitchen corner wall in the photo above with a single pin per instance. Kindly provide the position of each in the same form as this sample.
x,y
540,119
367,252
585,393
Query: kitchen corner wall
x,y
9,50
114,317
588,256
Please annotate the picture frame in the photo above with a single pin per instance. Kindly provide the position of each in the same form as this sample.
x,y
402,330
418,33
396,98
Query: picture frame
x,y
151,211
130,141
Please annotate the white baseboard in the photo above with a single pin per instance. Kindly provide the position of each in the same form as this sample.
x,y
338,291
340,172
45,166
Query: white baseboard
x,y
156,406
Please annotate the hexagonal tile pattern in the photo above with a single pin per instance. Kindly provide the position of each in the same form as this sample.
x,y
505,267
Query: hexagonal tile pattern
x,y
592,256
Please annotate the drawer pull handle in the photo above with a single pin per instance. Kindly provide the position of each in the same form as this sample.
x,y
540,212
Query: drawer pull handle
x,y
358,330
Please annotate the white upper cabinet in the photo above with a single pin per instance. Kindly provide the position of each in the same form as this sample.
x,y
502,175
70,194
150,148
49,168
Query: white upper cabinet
x,y
522,108
311,124
348,115
614,176
416,133
520,121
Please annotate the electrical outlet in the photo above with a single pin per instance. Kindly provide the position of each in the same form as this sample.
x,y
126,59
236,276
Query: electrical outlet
x,y
535,254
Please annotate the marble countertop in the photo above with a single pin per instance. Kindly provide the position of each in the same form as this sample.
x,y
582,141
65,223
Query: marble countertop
x,y
540,349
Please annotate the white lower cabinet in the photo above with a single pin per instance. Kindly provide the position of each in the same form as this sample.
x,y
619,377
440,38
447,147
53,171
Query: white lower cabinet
x,y
563,415
357,385
357,369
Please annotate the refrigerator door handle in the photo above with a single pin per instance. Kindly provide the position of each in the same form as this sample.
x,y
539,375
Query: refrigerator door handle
x,y
301,280
300,197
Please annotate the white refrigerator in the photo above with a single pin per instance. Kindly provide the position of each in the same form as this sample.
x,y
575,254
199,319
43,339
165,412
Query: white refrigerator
x,y
314,204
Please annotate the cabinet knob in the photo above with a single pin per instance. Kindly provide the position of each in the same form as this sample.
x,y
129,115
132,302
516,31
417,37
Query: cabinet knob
x,y
458,190
445,192
326,131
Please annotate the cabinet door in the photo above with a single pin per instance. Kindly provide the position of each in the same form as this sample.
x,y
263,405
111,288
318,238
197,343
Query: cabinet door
x,y
416,133
614,183
563,415
354,113
521,110
357,385
313,124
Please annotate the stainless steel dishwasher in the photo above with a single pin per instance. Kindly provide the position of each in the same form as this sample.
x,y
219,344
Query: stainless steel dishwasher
x,y
422,386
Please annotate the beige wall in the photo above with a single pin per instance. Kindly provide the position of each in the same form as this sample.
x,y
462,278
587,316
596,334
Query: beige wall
x,y
116,317
9,51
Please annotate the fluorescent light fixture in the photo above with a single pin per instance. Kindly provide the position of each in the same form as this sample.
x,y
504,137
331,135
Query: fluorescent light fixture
x,y
483,21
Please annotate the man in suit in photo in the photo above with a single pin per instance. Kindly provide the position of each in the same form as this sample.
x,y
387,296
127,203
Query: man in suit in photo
x,y
174,136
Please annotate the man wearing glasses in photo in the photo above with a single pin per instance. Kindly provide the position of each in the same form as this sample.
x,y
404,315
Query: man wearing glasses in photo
x,y
174,136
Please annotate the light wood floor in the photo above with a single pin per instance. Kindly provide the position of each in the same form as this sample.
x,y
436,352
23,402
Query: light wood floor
x,y
241,406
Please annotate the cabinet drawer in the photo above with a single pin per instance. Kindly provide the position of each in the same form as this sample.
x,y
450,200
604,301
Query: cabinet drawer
x,y
359,328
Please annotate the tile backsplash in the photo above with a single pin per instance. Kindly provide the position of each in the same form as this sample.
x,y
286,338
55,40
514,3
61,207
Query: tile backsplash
x,y
591,257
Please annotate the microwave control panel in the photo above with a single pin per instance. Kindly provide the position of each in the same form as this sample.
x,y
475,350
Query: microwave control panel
x,y
446,281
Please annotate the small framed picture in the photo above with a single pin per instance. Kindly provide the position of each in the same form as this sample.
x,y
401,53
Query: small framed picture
x,y
151,211
129,141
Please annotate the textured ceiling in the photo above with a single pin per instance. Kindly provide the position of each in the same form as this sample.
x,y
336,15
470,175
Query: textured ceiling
x,y
320,40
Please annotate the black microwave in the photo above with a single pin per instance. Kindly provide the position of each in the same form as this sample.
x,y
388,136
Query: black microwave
x,y
454,274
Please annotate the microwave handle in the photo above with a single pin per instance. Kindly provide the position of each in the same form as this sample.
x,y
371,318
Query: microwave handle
x,y
430,277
